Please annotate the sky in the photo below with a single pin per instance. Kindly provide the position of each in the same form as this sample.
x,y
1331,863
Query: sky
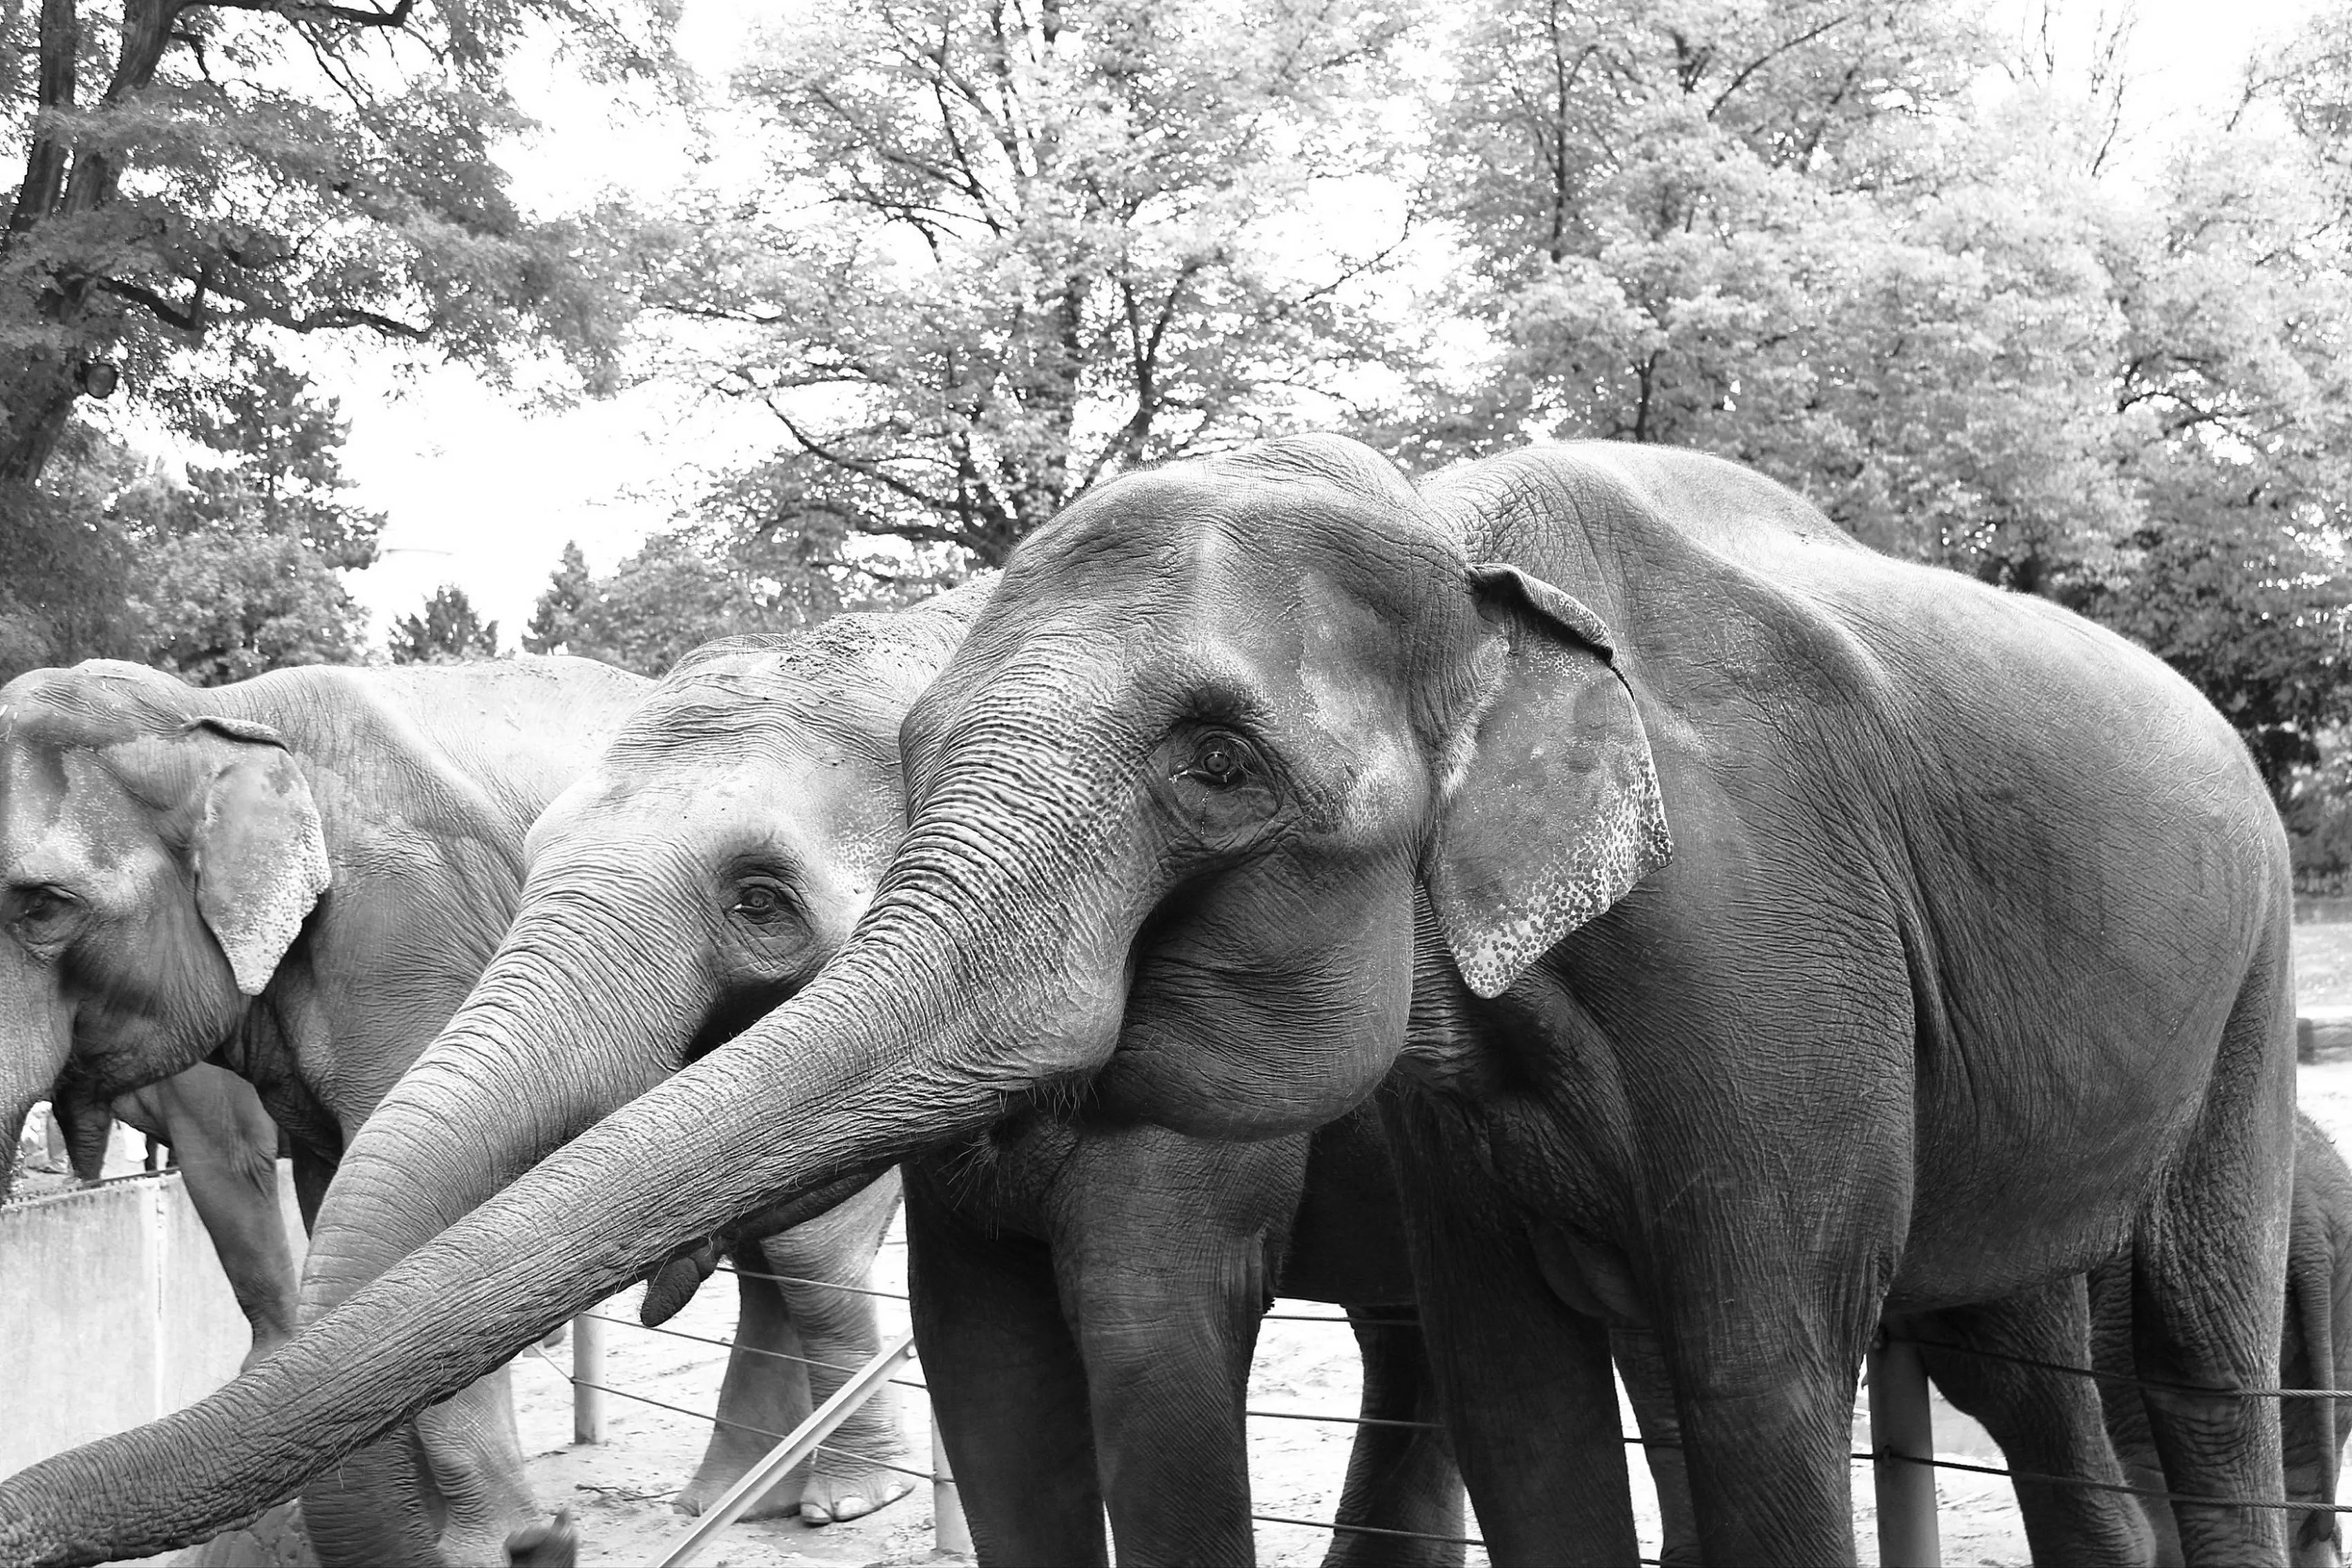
x,y
483,486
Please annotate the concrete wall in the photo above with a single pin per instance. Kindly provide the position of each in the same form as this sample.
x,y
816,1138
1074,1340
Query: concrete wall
x,y
114,1311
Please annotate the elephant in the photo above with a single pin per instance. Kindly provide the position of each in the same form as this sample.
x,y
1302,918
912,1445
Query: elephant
x,y
298,877
1087,1301
1769,938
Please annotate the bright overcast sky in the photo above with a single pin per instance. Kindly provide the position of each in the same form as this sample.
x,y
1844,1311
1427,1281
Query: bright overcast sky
x,y
483,491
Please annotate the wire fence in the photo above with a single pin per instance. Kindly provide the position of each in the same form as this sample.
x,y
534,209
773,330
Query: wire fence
x,y
1902,1449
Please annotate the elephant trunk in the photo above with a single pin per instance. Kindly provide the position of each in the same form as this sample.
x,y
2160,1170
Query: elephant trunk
x,y
883,1054
536,1055
568,1023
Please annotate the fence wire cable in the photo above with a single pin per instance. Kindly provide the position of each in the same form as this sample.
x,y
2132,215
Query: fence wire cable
x,y
727,1345
2091,1372
1377,1530
2107,1485
1345,1420
819,1284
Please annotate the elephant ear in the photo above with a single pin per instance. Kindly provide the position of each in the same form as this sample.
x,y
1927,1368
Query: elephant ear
x,y
1551,813
261,854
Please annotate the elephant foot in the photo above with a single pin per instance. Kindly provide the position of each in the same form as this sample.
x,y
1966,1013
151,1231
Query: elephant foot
x,y
551,1543
841,1488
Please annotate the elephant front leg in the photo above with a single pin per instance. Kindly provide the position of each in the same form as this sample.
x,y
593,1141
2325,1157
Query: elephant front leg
x,y
824,1267
1641,1367
765,1395
1765,1358
1529,1397
1402,1482
1007,1388
1166,1332
227,1150
475,1456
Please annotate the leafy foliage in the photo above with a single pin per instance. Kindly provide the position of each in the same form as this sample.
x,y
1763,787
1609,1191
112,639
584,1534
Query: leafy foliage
x,y
229,573
1796,237
719,578
450,630
194,169
568,591
1004,249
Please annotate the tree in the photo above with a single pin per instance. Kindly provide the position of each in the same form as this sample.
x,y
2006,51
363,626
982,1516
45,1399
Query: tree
x,y
64,565
218,574
448,630
558,610
1776,234
194,170
223,604
236,570
1004,250
1787,235
734,572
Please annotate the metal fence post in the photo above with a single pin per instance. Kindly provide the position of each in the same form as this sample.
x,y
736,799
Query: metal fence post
x,y
587,1368
949,1531
1902,1429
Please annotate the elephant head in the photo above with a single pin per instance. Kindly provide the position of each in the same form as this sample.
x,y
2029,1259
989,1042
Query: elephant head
x,y
157,863
1226,736
695,875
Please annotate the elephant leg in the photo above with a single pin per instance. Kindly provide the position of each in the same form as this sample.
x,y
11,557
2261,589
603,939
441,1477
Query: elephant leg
x,y
2047,1423
864,1465
1399,1478
227,1148
312,1176
1765,1358
1529,1398
2311,1431
2126,1413
763,1392
1641,1367
1167,1342
2209,1286
1007,1388
474,1456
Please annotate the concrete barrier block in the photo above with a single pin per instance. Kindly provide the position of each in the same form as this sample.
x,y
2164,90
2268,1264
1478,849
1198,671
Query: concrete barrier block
x,y
79,1276
114,1311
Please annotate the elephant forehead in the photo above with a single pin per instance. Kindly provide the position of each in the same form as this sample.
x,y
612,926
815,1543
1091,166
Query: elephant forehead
x,y
60,812
1352,696
820,801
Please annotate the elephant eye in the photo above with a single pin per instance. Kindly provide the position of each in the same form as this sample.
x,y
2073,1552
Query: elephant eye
x,y
1221,758
761,903
40,911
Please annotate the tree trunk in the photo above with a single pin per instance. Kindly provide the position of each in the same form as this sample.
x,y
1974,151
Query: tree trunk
x,y
34,404
37,400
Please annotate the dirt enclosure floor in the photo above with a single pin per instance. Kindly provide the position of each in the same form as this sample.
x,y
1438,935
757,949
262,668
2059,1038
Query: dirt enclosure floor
x,y
620,1492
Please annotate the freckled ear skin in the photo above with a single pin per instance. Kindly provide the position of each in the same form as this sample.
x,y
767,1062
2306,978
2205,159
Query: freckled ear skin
x,y
261,855
1551,812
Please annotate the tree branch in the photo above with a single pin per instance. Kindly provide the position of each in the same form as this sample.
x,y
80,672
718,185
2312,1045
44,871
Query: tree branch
x,y
188,318
320,11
